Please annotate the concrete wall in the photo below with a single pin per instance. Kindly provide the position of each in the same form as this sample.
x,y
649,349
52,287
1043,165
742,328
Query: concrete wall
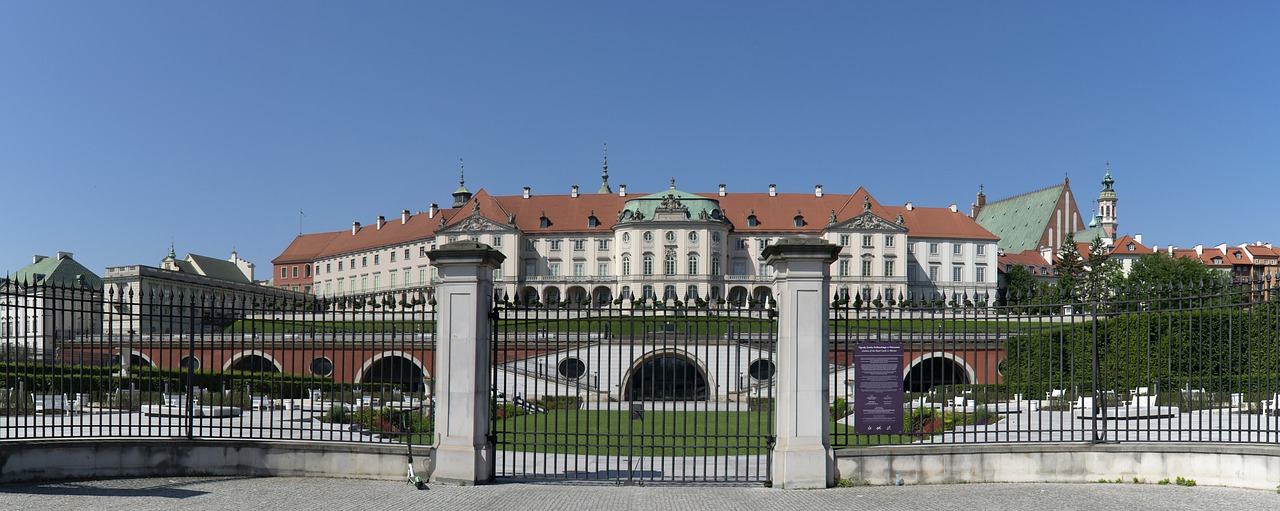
x,y
92,459
1240,466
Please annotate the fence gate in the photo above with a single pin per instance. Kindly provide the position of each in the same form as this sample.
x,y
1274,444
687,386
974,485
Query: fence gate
x,y
633,394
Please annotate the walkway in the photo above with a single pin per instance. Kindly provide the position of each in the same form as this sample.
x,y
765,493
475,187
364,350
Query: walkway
x,y
293,493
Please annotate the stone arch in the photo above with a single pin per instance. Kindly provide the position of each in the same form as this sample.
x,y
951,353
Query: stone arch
x,y
936,368
760,293
738,295
254,361
576,294
528,295
667,375
396,368
602,295
551,294
139,359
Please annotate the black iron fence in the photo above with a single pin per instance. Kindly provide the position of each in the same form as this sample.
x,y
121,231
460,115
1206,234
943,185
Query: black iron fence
x,y
1166,364
155,361
634,392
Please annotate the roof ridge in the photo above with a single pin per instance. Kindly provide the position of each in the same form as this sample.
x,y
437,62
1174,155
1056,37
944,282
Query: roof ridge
x,y
1038,190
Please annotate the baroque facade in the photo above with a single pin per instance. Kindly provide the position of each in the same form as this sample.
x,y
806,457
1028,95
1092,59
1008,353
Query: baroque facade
x,y
670,245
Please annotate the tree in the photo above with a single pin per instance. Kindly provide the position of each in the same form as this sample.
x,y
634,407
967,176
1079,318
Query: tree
x,y
1160,270
1070,269
1020,284
1104,275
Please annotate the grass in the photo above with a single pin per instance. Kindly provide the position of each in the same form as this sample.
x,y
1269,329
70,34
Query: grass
x,y
659,433
277,326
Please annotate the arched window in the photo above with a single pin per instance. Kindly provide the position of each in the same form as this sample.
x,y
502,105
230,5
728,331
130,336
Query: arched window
x,y
693,264
648,264
669,264
669,293
626,264
647,293
306,270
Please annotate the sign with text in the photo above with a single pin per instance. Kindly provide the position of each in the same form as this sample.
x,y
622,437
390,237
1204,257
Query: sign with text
x,y
877,388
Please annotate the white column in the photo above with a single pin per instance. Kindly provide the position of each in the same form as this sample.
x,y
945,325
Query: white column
x,y
802,456
462,453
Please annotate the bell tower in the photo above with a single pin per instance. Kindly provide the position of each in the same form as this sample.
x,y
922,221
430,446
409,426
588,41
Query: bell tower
x,y
1107,204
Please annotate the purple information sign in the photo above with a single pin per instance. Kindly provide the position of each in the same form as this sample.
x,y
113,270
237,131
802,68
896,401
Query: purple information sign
x,y
877,388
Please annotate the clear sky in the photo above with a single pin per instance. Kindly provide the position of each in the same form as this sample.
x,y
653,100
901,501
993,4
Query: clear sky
x,y
125,125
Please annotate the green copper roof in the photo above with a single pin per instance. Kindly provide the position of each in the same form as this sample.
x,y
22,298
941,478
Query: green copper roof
x,y
61,271
645,208
1020,221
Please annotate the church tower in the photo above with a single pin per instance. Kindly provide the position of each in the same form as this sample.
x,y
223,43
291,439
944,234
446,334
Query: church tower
x,y
1107,205
461,195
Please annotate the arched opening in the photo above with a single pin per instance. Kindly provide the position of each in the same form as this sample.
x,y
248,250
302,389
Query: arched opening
x,y
603,296
551,295
529,296
577,295
394,370
761,295
254,363
738,295
667,377
925,373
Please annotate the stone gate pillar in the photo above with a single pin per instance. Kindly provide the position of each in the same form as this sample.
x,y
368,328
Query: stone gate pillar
x,y
802,457
462,453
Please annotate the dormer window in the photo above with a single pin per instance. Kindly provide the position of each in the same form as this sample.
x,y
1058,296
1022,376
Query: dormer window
x,y
1130,247
592,221
799,219
752,221
544,222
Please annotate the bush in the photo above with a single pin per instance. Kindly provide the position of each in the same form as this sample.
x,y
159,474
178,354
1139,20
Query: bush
x,y
13,402
560,402
760,404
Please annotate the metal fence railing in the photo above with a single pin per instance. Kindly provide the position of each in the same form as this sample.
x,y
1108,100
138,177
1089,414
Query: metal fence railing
x,y
1169,364
77,362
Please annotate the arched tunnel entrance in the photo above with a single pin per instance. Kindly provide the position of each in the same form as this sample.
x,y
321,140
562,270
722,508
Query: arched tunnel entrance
x,y
931,371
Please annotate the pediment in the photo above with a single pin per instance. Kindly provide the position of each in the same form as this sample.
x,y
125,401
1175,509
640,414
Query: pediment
x,y
868,221
476,223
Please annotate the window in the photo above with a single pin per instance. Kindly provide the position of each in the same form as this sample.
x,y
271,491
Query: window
x,y
497,273
933,273
408,278
530,244
982,249
626,237
555,245
497,241
406,254
530,268
799,221
422,276
752,221
306,270
739,268
579,245
284,272
844,240
364,262
326,288
648,237
669,264
715,264
888,240
422,252
579,269
866,241
553,269
888,268
866,267
339,265
763,244
648,264
353,263
393,256
693,236
364,284
351,286
693,264
602,244
715,237
669,293
647,293
602,269
742,244
626,264
328,269
592,221
671,236
842,268
393,280
956,248
691,293
376,278
933,249
980,274
956,273
375,259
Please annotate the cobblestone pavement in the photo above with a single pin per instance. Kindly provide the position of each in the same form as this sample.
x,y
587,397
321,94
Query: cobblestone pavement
x,y
281,493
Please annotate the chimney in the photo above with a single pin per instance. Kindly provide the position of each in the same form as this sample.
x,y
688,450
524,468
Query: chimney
x,y
355,227
1047,254
722,189
37,258
382,220
526,192
817,191
432,210
910,207
404,217
622,190
1137,237
773,190
953,208
573,192
1199,250
64,255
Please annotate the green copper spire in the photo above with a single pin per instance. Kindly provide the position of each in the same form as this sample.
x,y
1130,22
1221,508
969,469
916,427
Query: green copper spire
x,y
604,175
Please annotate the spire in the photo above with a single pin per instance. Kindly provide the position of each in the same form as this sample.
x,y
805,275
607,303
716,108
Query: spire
x,y
461,195
172,255
604,175
1107,181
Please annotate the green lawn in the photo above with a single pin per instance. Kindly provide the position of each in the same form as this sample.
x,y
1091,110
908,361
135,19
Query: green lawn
x,y
659,433
274,326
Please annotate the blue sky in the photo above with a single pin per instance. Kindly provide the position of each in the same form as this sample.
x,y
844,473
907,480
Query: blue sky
x,y
124,125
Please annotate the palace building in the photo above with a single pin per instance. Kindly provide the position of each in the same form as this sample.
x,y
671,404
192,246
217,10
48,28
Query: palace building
x,y
594,248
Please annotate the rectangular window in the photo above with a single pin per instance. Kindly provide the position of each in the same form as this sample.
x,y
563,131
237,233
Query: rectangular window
x,y
763,244
376,278
329,269
408,278
364,262
956,273
742,244
422,276
375,259
530,244
364,284
933,249
497,241
982,249
693,265
844,240
602,269
888,240
422,252
555,245
888,268
406,254
326,288
530,268
980,274
497,273
956,248
715,266
933,273
284,272
351,286
866,267
602,244
339,265
843,268
393,280
739,268
579,269
393,256
553,269
579,245
866,241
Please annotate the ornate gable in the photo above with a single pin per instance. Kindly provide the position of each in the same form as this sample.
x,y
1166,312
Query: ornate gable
x,y
868,221
475,223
